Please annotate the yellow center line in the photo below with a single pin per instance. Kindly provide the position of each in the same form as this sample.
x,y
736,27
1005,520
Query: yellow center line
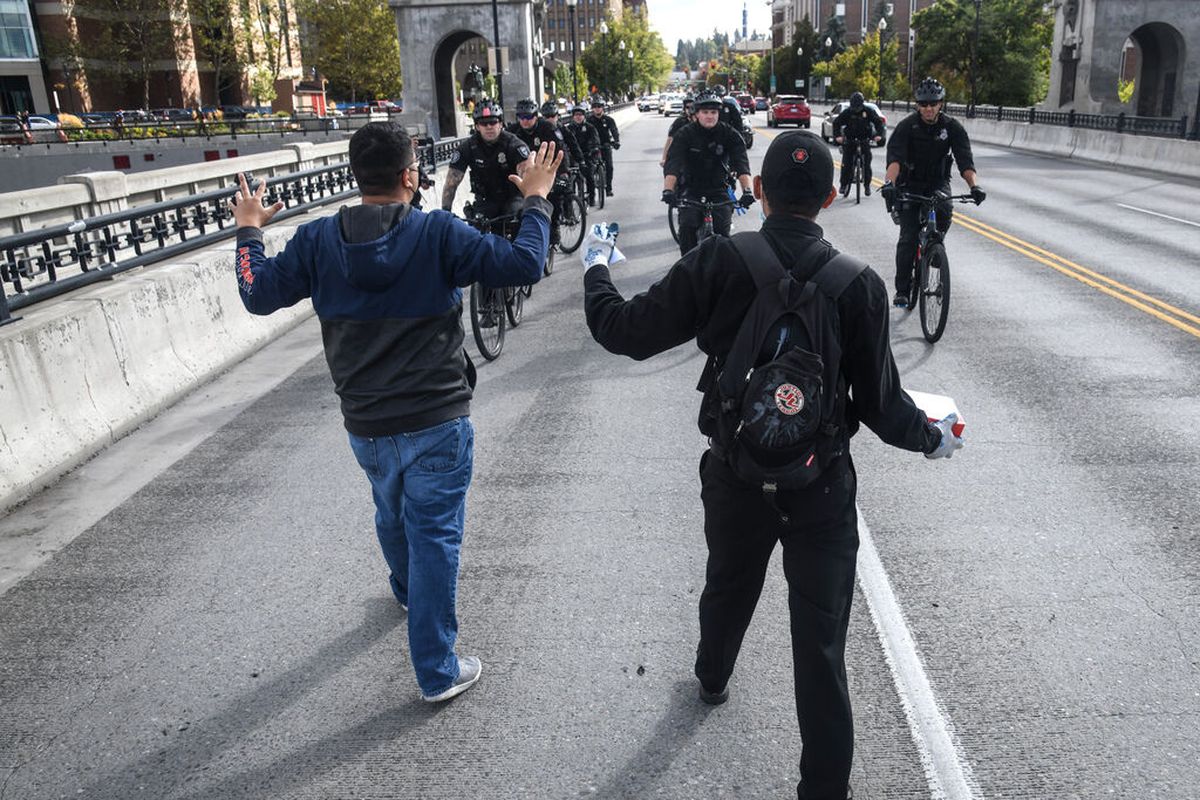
x,y
1172,315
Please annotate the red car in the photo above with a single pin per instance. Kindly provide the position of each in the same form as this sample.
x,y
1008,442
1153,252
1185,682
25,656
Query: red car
x,y
746,102
789,109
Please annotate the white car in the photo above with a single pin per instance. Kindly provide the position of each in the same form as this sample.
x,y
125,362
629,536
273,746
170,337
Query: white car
x,y
831,115
648,103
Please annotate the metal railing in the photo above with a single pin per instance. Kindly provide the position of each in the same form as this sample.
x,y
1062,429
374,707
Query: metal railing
x,y
45,263
1168,127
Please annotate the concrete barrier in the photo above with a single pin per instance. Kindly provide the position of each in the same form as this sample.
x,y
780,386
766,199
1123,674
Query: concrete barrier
x,y
79,372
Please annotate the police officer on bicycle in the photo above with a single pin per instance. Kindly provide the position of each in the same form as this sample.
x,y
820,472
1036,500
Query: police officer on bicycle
x,y
855,129
686,116
589,142
610,139
532,132
918,161
573,150
491,154
702,156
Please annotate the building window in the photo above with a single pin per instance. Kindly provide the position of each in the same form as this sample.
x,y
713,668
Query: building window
x,y
16,30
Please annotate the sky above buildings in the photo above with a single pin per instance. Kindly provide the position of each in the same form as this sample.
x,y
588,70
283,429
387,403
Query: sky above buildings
x,y
695,19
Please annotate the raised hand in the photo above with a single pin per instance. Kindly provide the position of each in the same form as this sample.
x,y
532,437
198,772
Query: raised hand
x,y
248,209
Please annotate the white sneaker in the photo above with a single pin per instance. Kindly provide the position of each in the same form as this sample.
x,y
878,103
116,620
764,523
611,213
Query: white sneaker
x,y
469,670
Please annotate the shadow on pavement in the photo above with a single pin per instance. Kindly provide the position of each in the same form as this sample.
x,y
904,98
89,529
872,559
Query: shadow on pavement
x,y
677,727
182,760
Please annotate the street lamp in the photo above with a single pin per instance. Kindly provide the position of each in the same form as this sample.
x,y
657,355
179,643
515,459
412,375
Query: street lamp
x,y
800,70
631,77
496,44
574,78
974,51
882,28
604,53
621,50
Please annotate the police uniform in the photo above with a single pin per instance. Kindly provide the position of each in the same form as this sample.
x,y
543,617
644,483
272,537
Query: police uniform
x,y
542,131
705,296
490,164
701,160
589,143
858,126
731,114
610,139
924,153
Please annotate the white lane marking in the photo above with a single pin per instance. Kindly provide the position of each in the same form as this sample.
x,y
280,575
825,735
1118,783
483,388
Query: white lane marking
x,y
1164,216
947,771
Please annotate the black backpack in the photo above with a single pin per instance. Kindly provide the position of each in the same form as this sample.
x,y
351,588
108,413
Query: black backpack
x,y
778,397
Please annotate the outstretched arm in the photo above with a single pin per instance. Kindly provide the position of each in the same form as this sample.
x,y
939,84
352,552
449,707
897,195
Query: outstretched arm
x,y
453,178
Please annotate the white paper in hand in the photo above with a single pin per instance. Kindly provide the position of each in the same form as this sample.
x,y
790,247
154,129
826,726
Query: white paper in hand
x,y
600,246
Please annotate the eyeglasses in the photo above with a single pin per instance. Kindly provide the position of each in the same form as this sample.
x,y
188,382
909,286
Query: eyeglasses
x,y
492,121
526,116
928,103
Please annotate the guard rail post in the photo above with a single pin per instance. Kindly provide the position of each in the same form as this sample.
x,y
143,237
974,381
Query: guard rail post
x,y
1121,122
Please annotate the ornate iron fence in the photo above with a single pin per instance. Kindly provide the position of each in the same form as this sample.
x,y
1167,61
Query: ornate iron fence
x,y
1168,127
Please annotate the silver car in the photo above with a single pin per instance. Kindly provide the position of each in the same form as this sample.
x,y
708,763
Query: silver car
x,y
831,115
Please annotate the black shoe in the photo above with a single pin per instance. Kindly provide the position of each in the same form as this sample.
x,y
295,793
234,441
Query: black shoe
x,y
714,698
846,190
867,188
608,192
901,299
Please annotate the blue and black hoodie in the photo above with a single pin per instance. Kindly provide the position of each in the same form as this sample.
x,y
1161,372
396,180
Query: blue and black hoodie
x,y
384,281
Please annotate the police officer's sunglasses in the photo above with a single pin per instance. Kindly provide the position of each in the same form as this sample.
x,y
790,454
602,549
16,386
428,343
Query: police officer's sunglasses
x,y
526,116
492,121
928,103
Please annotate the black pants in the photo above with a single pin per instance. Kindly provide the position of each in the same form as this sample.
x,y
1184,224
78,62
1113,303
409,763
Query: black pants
x,y
589,174
606,154
819,557
848,149
498,208
910,227
691,220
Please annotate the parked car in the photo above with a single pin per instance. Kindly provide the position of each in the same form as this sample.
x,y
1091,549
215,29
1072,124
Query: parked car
x,y
761,104
789,109
648,103
831,115
746,102
163,115
234,112
675,106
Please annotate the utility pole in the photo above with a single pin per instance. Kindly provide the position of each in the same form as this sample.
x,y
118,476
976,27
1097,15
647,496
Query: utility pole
x,y
499,67
974,57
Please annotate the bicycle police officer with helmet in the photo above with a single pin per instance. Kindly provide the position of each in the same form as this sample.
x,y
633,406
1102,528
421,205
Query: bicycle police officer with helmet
x,y
918,161
686,116
491,154
532,132
610,139
573,151
854,129
701,158
589,142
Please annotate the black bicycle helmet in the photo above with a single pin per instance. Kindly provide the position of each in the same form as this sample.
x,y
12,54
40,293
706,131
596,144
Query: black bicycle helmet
x,y
579,108
930,90
549,109
527,106
597,102
856,100
708,99
719,89
486,109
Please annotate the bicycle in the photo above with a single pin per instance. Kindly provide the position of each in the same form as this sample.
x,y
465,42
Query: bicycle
x,y
572,217
930,289
598,178
857,168
705,205
492,307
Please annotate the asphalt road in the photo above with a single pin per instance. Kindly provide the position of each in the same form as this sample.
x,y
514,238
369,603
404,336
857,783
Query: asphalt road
x,y
221,627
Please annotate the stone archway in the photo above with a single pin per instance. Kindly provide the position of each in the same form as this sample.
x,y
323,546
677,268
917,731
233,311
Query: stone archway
x,y
1160,60
432,31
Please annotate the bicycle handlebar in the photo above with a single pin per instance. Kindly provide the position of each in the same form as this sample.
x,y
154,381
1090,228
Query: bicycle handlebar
x,y
937,198
684,202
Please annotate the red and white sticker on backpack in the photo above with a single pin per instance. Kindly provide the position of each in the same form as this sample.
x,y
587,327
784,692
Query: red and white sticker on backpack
x,y
789,399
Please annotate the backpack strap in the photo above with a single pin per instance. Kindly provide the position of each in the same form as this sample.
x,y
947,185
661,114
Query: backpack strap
x,y
837,274
759,258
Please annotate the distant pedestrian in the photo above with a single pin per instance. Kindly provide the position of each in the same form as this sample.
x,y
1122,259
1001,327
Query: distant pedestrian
x,y
384,280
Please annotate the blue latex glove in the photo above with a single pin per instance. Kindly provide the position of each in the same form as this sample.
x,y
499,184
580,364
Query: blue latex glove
x,y
600,246
950,442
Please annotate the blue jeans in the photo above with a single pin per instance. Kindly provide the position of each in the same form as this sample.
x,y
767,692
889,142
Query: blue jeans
x,y
419,481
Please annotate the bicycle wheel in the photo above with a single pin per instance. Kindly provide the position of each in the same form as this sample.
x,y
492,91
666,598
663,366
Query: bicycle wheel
x,y
571,225
487,320
547,268
673,221
514,304
934,279
599,179
858,179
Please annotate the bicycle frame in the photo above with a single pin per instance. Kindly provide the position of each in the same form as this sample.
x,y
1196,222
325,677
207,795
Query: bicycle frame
x,y
707,207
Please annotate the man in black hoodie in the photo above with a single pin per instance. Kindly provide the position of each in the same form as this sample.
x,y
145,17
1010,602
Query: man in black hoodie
x,y
384,280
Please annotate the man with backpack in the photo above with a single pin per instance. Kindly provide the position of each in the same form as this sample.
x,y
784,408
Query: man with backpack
x,y
792,329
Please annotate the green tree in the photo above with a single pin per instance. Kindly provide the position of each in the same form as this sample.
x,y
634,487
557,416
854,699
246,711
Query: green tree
x,y
354,44
132,36
789,65
562,81
213,37
608,64
1013,62
857,69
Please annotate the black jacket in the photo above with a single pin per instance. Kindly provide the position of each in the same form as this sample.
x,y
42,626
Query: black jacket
x,y
703,157
585,134
706,294
606,129
858,123
924,151
491,164
542,131
572,142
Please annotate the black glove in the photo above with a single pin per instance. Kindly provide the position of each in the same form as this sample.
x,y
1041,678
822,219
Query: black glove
x,y
888,192
616,145
747,198
978,195
668,196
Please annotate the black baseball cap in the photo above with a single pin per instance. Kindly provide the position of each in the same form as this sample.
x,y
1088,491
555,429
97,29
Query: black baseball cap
x,y
797,167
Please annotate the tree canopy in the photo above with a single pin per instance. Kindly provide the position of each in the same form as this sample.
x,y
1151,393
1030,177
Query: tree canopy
x,y
610,68
353,43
